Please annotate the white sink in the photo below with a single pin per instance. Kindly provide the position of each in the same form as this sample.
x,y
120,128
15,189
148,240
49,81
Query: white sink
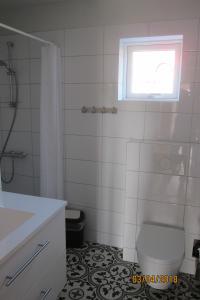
x,y
11,219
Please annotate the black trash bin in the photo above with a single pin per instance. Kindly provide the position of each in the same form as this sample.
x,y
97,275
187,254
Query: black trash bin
x,y
75,224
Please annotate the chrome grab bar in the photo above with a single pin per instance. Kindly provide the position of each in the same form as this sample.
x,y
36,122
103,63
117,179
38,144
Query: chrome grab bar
x,y
44,293
21,269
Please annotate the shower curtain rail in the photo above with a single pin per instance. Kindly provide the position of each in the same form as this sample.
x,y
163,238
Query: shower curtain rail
x,y
25,34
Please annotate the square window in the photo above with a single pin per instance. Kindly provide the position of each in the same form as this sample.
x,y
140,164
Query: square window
x,y
150,68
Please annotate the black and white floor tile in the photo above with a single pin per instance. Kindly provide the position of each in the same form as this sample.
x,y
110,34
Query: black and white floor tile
x,y
97,272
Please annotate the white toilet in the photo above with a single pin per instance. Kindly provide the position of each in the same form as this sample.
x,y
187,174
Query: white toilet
x,y
160,251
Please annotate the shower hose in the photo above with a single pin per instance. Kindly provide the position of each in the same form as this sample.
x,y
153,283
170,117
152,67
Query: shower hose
x,y
14,105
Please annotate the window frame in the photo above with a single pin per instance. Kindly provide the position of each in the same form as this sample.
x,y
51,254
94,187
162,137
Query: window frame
x,y
156,43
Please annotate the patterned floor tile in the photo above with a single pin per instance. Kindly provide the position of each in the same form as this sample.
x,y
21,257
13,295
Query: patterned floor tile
x,y
97,272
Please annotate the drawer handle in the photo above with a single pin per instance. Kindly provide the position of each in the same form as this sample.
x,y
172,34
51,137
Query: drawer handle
x,y
12,278
44,294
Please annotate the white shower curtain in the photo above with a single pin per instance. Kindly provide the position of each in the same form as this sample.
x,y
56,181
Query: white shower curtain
x,y
51,125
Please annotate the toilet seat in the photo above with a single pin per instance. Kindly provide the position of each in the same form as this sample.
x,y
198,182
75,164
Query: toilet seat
x,y
161,244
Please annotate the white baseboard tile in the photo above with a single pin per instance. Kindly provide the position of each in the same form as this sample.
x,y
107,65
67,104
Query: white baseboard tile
x,y
188,266
104,238
129,254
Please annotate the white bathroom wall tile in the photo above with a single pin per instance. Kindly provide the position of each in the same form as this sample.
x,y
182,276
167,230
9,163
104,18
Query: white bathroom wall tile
x,y
195,132
84,69
111,199
78,95
84,41
81,194
4,78
4,47
164,213
196,101
36,143
109,222
129,254
35,71
167,126
83,147
188,67
189,243
131,105
188,28
184,105
111,68
35,96
22,70
130,211
20,47
36,166
19,141
36,185
193,191
133,156
21,185
23,96
197,75
113,150
109,239
86,172
132,184
82,124
112,35
24,166
23,120
191,219
139,227
55,36
104,221
129,235
124,125
164,158
110,94
188,266
35,120
99,198
162,188
111,98
113,175
194,165
103,238
5,95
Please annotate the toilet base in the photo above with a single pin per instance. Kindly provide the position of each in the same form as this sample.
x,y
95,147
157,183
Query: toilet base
x,y
159,276
159,285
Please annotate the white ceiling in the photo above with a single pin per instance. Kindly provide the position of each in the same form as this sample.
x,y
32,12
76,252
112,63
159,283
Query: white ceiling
x,y
16,3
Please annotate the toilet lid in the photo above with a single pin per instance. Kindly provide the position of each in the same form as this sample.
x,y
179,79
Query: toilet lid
x,y
161,243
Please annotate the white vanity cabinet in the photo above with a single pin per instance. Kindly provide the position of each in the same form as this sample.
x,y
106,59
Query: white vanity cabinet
x,y
37,270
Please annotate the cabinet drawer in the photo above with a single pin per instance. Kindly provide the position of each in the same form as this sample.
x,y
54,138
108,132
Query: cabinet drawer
x,y
51,283
29,264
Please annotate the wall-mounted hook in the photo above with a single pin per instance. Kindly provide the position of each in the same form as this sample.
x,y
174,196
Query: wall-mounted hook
x,y
93,110
114,110
84,109
103,110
